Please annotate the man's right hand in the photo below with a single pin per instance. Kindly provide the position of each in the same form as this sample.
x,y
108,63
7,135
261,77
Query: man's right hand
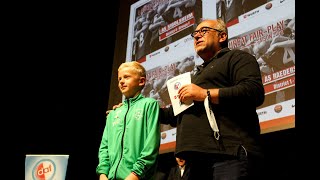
x,y
113,108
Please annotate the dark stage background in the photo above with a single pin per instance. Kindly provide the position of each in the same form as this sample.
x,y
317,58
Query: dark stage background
x,y
57,80
60,76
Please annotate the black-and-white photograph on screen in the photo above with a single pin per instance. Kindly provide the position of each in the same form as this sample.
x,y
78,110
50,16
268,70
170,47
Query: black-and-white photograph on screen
x,y
268,33
155,24
230,10
159,38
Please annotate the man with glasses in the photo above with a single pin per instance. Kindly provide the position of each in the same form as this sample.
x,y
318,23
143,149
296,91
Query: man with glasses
x,y
219,135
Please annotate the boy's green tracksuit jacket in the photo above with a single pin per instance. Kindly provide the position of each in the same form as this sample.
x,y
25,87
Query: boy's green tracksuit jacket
x,y
131,140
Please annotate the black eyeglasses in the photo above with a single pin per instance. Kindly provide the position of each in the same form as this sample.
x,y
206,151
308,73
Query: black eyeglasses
x,y
203,31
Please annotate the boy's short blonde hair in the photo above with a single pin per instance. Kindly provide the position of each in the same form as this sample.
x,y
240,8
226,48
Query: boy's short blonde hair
x,y
135,66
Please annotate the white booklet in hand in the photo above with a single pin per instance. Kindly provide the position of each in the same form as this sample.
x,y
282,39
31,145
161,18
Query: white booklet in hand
x,y
173,85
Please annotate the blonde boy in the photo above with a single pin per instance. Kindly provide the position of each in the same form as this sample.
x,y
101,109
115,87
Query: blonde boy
x,y
131,138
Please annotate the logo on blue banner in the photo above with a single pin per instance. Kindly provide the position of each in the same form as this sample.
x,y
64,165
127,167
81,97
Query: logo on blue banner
x,y
46,167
